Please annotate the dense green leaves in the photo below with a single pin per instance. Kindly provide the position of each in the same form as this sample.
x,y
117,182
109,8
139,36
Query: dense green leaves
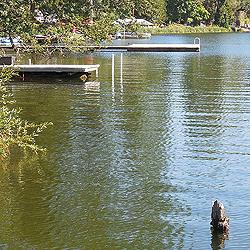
x,y
219,12
14,17
150,9
14,131
18,17
56,19
195,11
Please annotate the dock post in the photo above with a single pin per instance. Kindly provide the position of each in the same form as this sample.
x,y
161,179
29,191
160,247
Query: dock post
x,y
121,77
121,66
113,77
113,68
29,61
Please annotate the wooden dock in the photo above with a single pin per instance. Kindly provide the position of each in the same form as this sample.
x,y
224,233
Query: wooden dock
x,y
164,47
84,71
59,68
195,47
192,47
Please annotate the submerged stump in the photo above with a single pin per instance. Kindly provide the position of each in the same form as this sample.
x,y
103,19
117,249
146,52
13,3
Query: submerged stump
x,y
219,219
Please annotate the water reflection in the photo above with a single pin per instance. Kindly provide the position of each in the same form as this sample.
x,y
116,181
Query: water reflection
x,y
109,185
25,209
121,168
204,107
218,240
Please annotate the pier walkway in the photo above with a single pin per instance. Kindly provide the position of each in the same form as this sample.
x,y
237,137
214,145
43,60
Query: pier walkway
x,y
58,68
192,47
54,69
151,48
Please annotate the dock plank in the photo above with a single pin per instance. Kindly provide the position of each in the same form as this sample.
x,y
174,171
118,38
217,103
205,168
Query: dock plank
x,y
164,47
50,68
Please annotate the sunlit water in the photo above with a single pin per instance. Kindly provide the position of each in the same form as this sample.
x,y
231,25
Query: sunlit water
x,y
136,164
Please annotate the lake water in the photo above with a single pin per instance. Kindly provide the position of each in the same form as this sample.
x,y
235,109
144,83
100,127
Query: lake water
x,y
137,163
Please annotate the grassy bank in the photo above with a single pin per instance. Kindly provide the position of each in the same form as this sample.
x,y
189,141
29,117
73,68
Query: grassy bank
x,y
182,29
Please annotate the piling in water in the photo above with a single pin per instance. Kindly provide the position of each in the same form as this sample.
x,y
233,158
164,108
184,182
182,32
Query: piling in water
x,y
219,220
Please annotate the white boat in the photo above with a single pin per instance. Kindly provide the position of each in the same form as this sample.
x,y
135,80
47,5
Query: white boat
x,y
131,35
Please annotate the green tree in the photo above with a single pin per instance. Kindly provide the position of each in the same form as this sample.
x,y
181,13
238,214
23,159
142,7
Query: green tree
x,y
240,6
220,12
226,15
182,11
15,18
18,18
176,11
197,12
212,6
150,9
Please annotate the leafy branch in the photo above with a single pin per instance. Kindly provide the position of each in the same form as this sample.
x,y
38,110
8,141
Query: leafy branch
x,y
14,131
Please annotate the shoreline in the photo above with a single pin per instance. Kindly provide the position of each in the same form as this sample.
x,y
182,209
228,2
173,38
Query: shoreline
x,y
182,29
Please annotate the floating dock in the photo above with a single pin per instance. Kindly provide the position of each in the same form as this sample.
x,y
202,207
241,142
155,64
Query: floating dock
x,y
193,47
58,68
150,48
147,47
84,71
153,47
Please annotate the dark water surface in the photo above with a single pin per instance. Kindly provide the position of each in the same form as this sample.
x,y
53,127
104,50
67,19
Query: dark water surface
x,y
136,164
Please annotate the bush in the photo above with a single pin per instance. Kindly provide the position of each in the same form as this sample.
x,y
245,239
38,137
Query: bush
x,y
14,131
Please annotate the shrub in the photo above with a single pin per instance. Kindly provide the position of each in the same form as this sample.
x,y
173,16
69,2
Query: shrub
x,y
14,131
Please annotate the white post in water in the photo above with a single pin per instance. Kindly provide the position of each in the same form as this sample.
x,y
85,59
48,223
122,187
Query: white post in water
x,y
113,76
29,61
113,68
121,68
121,72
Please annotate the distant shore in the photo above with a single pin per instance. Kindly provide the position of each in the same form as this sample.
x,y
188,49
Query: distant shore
x,y
183,29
